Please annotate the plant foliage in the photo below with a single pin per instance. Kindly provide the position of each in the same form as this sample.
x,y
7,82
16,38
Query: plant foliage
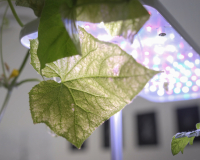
x,y
180,140
93,87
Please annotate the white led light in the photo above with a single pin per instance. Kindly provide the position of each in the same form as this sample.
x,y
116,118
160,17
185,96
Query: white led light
x,y
156,60
188,73
184,79
148,42
175,64
161,92
198,82
134,54
197,61
197,71
146,61
172,36
170,59
191,65
179,85
159,49
185,89
189,83
153,88
171,48
190,54
149,28
177,90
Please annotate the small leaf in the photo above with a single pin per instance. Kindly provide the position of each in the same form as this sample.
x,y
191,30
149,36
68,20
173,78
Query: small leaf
x,y
178,144
55,42
93,87
191,140
198,126
36,5
14,73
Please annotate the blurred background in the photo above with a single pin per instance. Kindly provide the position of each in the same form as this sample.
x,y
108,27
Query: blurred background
x,y
148,127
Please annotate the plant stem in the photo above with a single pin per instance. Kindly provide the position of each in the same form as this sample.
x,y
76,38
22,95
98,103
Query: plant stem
x,y
20,69
2,111
14,13
28,80
1,52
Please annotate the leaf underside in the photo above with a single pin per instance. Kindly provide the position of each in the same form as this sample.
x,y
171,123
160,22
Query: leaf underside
x,y
55,41
93,87
36,5
178,144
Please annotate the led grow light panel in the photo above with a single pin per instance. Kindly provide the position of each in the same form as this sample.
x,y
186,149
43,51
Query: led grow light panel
x,y
157,46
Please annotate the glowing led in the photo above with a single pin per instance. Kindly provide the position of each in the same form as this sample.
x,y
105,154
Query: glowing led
x,y
86,26
156,60
161,92
159,40
179,85
146,61
184,79
172,36
190,54
171,48
173,80
167,68
176,74
194,78
171,86
197,61
146,53
136,44
153,88
147,85
175,64
180,56
191,65
185,89
106,37
170,59
186,62
188,73
197,71
177,90
189,83
134,54
195,88
198,82
159,49
148,42
149,28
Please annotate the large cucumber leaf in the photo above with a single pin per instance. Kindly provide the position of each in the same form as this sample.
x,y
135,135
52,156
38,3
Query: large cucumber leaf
x,y
93,87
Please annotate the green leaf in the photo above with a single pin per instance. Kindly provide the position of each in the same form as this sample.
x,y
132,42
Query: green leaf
x,y
49,70
93,87
178,144
191,140
55,41
121,17
36,5
198,126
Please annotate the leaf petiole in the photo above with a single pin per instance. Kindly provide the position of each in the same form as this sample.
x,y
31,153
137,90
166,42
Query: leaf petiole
x,y
15,14
27,80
